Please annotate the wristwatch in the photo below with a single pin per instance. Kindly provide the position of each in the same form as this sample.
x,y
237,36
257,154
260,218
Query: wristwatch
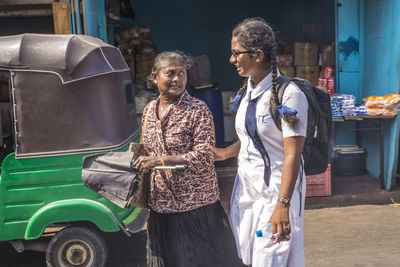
x,y
285,201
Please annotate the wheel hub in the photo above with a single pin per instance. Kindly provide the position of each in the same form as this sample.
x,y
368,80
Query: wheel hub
x,y
76,254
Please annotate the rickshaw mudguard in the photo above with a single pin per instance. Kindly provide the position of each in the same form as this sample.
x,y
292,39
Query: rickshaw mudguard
x,y
71,210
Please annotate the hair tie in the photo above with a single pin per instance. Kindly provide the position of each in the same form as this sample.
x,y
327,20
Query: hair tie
x,y
236,102
282,109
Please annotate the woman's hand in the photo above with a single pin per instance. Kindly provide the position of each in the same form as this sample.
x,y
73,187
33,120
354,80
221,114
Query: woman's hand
x,y
144,163
219,153
227,152
280,221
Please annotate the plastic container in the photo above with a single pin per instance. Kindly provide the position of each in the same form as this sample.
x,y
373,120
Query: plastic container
x,y
350,163
266,231
211,95
319,184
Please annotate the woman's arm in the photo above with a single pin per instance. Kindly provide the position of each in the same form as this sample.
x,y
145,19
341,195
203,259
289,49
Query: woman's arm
x,y
293,146
200,157
227,152
146,163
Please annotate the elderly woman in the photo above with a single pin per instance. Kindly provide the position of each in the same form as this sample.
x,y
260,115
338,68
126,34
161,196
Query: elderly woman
x,y
187,224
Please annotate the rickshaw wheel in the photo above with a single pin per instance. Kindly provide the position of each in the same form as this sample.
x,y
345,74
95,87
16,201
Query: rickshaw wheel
x,y
78,247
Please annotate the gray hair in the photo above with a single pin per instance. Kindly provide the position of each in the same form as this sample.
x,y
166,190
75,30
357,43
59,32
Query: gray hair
x,y
168,56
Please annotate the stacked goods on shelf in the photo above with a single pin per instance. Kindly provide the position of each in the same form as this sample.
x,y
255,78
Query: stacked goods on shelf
x,y
146,52
285,65
387,105
326,55
342,105
139,51
349,102
126,39
309,53
360,111
327,80
305,61
336,105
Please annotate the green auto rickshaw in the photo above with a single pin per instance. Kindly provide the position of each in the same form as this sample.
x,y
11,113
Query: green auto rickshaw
x,y
67,96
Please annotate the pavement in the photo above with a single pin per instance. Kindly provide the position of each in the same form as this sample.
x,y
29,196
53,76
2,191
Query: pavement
x,y
351,228
346,190
352,236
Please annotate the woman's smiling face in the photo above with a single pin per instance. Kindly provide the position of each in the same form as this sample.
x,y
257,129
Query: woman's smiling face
x,y
171,78
243,62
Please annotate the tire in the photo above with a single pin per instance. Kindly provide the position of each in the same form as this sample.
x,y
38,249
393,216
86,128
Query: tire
x,y
77,247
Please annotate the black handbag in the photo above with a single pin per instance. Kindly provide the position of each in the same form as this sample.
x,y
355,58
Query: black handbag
x,y
112,176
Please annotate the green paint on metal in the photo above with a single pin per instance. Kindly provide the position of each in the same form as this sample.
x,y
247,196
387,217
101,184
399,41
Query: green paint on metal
x,y
70,211
36,192
132,216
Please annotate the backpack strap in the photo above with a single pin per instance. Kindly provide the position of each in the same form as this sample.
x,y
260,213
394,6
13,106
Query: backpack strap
x,y
283,82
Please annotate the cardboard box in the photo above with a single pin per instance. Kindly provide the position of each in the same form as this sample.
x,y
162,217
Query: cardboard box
x,y
286,43
325,55
289,71
305,54
284,61
310,73
314,32
333,54
144,63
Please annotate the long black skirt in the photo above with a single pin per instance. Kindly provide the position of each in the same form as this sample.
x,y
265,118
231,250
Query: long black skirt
x,y
197,238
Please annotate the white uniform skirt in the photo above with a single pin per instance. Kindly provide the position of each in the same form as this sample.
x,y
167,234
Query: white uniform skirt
x,y
251,209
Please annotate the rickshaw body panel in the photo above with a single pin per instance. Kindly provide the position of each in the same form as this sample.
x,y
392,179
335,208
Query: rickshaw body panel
x,y
71,210
37,192
70,96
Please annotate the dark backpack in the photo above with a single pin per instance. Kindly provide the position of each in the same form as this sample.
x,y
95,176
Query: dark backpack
x,y
319,119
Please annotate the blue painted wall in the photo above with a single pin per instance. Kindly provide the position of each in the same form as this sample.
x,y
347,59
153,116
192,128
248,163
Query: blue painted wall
x,y
204,27
372,70
380,36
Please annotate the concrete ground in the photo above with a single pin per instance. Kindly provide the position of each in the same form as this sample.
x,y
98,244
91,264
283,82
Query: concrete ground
x,y
359,236
352,227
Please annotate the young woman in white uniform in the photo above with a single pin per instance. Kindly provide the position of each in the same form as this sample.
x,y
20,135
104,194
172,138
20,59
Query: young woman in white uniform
x,y
266,190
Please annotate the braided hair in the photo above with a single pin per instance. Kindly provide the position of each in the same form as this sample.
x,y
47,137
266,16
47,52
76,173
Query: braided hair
x,y
255,34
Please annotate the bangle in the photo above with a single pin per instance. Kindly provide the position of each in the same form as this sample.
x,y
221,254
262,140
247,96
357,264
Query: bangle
x,y
162,161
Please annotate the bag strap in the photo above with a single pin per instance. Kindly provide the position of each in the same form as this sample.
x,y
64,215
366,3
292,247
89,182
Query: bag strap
x,y
145,121
283,82
141,135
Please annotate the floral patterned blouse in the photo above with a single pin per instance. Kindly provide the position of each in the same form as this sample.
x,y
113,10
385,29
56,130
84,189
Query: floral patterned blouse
x,y
186,130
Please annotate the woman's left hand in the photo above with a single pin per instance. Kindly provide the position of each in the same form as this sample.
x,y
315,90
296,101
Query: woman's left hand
x,y
144,163
280,221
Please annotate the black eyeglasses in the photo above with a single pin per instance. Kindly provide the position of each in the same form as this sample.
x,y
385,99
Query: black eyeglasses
x,y
237,53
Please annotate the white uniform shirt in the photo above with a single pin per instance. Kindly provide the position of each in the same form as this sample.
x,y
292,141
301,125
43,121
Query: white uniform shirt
x,y
249,158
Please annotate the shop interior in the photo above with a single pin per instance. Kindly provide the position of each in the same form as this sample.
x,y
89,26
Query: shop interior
x,y
306,32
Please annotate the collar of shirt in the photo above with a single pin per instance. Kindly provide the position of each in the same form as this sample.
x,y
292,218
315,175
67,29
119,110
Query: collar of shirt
x,y
261,87
180,101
